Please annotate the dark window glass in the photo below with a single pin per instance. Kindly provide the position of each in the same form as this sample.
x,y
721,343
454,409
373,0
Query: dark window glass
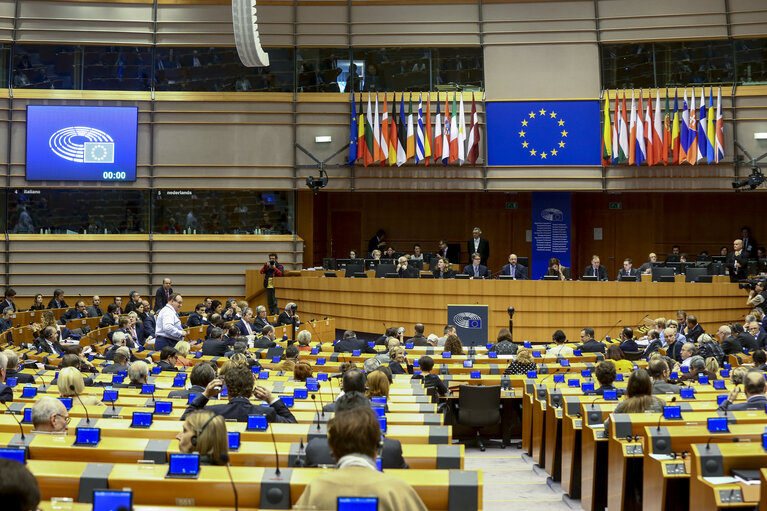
x,y
117,67
322,69
627,66
4,52
220,69
77,211
393,69
223,212
44,66
751,56
460,67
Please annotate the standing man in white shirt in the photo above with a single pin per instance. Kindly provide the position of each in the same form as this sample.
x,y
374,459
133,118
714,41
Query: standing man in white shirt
x,y
168,330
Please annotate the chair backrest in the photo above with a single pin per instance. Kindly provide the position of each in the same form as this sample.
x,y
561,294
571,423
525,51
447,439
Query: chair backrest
x,y
479,405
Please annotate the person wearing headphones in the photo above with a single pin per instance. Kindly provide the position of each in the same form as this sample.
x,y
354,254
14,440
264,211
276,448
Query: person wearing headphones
x,y
289,316
204,432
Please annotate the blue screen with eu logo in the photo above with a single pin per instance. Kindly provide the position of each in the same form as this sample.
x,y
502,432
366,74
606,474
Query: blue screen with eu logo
x,y
81,143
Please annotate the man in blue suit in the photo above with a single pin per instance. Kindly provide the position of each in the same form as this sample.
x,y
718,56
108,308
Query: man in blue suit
x,y
475,269
246,323
754,385
516,270
595,269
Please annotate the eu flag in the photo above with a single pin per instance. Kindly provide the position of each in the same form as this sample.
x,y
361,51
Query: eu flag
x,y
548,133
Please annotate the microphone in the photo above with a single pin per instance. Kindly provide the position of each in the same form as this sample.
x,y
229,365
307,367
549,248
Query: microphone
x,y
276,454
316,411
44,387
153,399
224,457
611,328
21,429
330,383
322,405
109,395
593,403
540,383
87,417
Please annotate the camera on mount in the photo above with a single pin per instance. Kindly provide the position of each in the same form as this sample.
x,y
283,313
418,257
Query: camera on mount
x,y
317,183
753,180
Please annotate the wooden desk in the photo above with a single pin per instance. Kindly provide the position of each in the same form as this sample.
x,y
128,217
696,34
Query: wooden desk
x,y
363,304
720,460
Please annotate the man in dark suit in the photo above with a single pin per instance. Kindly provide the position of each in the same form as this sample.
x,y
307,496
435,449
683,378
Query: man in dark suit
x,y
289,316
736,261
134,300
215,346
197,318
515,269
745,339
754,386
318,452
404,270
94,311
628,344
57,302
595,269
260,321
750,245
48,341
168,359
589,344
202,374
239,384
149,322
162,296
730,345
693,330
120,363
10,294
628,270
350,343
758,334
77,312
418,339
6,323
477,245
476,270
11,368
110,318
267,338
353,380
377,242
245,325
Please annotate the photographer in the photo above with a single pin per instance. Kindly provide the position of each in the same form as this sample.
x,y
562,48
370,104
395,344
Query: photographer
x,y
270,270
757,297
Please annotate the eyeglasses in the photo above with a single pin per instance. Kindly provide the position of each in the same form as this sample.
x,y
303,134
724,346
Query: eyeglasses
x,y
67,419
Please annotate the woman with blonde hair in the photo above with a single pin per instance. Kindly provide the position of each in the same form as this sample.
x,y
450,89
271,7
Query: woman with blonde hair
x,y
70,383
378,385
204,432
182,347
304,337
522,364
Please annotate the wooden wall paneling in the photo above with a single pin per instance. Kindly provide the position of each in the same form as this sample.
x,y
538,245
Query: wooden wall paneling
x,y
7,11
748,18
194,25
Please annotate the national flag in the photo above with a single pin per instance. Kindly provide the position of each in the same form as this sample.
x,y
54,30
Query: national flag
x,y
657,133
648,140
623,133
410,131
461,133
454,132
360,132
473,152
633,131
641,147
607,143
438,134
702,126
711,135
393,140
353,134
446,134
614,134
384,133
419,150
376,135
719,152
368,154
684,130
666,131
402,133
675,133
427,135
692,132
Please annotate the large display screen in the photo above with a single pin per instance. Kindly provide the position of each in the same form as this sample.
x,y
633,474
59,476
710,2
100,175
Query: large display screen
x,y
81,143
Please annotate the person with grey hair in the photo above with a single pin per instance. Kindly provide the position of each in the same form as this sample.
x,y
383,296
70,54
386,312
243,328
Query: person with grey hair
x,y
118,340
138,374
49,415
134,300
5,322
697,368
686,353
6,392
215,346
12,368
350,343
289,316
754,386
478,245
260,321
267,338
121,356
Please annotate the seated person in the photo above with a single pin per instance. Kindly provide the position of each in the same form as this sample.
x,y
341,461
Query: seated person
x,y
303,338
659,372
198,317
19,490
290,357
378,385
71,384
443,271
398,357
6,392
12,369
318,452
215,346
302,371
605,374
639,398
48,341
202,374
260,320
760,360
353,438
49,415
653,344
118,339
182,354
504,345
697,368
239,384
204,433
589,344
418,339
615,354
168,359
404,270
522,363
120,358
628,343
350,343
138,375
71,360
353,380
475,269
754,387
111,317
267,338
557,270
289,316
426,364
453,345
240,350
559,349
245,325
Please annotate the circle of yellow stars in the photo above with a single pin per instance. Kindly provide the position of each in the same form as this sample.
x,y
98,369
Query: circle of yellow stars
x,y
542,114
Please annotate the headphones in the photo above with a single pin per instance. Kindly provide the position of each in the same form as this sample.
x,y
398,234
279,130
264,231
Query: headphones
x,y
202,428
682,455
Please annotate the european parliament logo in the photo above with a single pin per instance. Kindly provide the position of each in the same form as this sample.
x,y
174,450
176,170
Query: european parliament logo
x,y
536,133
81,144
467,320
